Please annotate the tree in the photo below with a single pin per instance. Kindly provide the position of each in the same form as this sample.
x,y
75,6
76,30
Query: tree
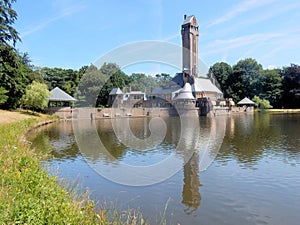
x,y
270,86
244,79
14,76
7,19
90,86
3,95
96,84
222,71
291,86
162,79
261,103
142,82
36,96
65,79
114,77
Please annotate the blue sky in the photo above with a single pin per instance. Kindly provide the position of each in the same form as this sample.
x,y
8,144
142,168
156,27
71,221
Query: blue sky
x,y
73,33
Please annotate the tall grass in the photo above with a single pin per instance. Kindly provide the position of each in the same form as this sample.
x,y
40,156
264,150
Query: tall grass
x,y
28,195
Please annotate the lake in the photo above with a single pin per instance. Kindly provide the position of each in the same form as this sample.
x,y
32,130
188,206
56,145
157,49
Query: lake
x,y
240,169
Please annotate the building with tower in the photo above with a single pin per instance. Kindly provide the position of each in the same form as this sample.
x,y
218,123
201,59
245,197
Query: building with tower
x,y
187,87
201,84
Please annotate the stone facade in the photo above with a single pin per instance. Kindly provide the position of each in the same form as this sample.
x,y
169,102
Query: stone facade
x,y
190,34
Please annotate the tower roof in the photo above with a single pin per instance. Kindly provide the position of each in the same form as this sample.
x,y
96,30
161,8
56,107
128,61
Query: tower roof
x,y
190,20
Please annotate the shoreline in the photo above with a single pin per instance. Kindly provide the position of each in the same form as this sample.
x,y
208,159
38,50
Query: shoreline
x,y
29,195
283,110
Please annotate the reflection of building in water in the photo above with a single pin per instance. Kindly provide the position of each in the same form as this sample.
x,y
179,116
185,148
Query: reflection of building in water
x,y
190,195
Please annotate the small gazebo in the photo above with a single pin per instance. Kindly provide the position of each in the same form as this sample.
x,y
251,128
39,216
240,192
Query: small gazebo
x,y
247,104
59,98
246,101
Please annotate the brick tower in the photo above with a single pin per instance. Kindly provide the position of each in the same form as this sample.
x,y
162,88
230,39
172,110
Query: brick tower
x,y
189,33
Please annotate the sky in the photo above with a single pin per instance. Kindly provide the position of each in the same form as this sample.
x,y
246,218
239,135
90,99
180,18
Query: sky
x,y
74,33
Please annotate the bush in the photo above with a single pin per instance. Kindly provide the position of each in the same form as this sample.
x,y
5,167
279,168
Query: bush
x,y
261,103
36,96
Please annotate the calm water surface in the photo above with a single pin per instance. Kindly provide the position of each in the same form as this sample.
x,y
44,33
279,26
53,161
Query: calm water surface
x,y
255,178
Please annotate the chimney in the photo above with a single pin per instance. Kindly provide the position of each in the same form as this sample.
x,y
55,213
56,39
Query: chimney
x,y
184,17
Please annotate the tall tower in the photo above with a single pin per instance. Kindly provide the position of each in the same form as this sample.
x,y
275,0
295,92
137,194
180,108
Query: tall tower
x,y
190,34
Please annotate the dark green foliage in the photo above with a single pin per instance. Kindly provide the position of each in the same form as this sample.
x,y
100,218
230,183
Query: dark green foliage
x,y
96,84
65,79
142,82
222,71
269,86
145,83
162,79
291,86
245,77
248,79
114,78
7,19
3,95
14,76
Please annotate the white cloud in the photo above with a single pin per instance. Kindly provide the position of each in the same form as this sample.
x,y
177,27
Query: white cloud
x,y
64,13
240,8
290,41
225,46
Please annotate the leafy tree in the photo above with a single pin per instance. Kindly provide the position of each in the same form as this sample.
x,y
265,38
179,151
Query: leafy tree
x,y
261,103
65,79
7,19
162,79
270,86
36,96
142,82
291,86
14,76
114,77
90,86
3,95
222,71
243,81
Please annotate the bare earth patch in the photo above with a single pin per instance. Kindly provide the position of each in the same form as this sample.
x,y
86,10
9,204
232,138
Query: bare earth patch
x,y
10,117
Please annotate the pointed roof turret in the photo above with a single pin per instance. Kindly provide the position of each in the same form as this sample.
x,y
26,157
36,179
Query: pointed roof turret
x,y
185,93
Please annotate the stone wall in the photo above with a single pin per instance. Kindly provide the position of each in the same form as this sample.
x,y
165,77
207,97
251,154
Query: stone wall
x,y
93,113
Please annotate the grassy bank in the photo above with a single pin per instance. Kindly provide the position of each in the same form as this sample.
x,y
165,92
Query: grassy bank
x,y
284,110
29,196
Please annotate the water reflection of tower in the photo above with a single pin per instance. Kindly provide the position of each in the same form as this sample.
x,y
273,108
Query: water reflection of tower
x,y
190,195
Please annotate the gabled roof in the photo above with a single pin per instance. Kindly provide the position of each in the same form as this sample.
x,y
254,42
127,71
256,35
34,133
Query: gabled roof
x,y
136,93
246,101
162,90
201,84
205,85
59,95
116,91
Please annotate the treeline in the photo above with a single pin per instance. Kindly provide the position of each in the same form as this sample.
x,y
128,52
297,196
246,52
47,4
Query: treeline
x,y
247,78
90,85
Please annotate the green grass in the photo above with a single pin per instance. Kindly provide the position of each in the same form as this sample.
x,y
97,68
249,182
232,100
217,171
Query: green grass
x,y
28,195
